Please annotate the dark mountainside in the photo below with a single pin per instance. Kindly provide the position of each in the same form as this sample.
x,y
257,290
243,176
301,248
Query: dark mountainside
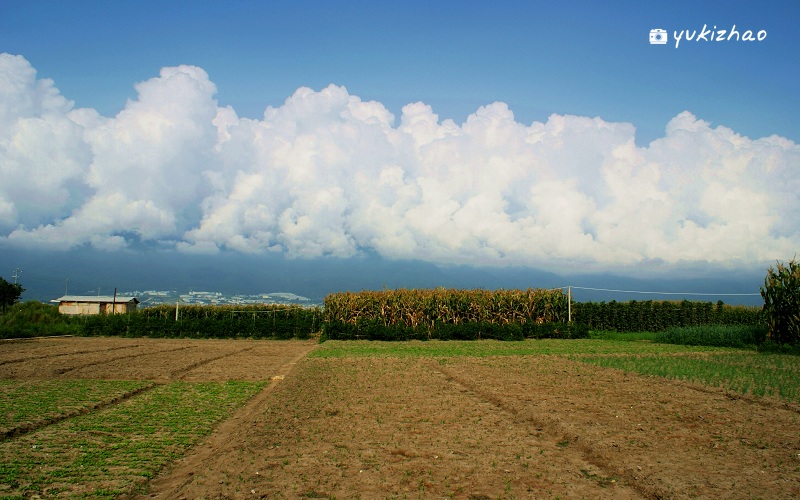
x,y
47,275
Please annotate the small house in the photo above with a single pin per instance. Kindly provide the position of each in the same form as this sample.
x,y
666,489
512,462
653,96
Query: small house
x,y
80,304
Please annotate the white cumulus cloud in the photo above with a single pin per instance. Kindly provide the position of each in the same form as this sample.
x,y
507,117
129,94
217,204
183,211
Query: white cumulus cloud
x,y
328,174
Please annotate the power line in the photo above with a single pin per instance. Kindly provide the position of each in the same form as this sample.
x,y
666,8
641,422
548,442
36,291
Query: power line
x,y
666,293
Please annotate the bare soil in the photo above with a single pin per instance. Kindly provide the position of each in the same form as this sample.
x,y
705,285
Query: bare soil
x,y
469,428
148,359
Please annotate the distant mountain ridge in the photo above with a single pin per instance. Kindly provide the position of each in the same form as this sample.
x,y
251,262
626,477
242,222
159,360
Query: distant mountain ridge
x,y
48,275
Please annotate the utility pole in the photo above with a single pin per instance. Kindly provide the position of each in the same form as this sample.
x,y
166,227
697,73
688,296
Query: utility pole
x,y
569,304
16,275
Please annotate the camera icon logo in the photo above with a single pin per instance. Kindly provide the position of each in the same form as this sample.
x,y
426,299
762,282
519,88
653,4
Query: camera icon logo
x,y
658,37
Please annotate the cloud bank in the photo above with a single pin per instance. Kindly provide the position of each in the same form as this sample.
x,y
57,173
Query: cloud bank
x,y
328,174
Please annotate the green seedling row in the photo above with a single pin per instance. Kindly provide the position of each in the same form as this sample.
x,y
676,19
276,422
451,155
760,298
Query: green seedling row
x,y
32,404
757,374
110,451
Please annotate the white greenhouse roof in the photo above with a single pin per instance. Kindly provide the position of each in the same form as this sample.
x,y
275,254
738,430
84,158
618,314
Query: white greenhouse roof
x,y
96,298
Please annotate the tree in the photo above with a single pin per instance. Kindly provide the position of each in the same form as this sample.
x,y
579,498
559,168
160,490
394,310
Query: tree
x,y
9,293
781,294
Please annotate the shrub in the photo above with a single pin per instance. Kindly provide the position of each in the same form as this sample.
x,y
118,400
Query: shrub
x,y
36,319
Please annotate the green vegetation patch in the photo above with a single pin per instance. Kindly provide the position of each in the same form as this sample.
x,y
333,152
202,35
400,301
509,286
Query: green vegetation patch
x,y
743,372
482,348
746,336
35,319
714,335
108,452
30,404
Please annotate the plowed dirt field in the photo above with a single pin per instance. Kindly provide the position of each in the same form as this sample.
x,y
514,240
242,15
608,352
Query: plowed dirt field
x,y
457,427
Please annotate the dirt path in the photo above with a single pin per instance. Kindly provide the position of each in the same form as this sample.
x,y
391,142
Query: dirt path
x,y
218,446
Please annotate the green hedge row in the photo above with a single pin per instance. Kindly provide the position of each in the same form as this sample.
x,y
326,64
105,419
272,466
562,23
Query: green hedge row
x,y
35,319
377,330
655,316
280,322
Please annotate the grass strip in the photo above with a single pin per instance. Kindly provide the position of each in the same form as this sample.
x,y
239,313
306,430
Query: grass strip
x,y
108,452
743,372
28,405
483,348
629,336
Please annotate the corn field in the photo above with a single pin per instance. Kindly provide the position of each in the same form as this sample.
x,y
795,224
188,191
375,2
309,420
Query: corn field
x,y
447,314
426,307
781,294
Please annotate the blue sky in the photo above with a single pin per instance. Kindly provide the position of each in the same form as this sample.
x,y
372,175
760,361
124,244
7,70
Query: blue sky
x,y
579,58
542,135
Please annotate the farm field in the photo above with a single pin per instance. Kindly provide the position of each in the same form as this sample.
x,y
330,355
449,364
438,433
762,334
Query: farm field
x,y
292,419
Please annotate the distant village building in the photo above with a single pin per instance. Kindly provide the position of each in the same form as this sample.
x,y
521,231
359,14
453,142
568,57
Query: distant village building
x,y
100,304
